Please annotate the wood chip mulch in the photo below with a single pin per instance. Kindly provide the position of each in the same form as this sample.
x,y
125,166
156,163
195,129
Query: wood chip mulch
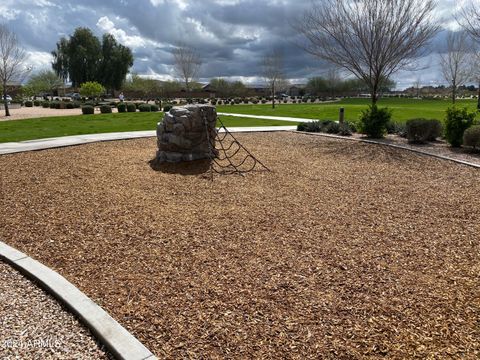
x,y
346,250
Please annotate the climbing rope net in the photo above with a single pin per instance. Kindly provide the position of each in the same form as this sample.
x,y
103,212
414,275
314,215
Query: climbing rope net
x,y
228,156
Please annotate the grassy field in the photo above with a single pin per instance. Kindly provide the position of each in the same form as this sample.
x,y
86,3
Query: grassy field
x,y
29,129
403,109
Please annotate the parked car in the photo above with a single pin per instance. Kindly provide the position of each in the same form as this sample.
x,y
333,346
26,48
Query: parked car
x,y
9,98
75,96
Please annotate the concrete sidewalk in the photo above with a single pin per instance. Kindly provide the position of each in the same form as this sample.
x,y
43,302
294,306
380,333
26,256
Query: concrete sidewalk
x,y
265,117
41,144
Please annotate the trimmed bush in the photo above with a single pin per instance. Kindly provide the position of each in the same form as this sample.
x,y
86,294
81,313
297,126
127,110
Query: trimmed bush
x,y
456,122
167,108
52,105
36,102
106,109
374,120
331,128
344,129
144,108
28,103
122,107
77,104
422,130
314,126
88,110
46,104
471,137
131,107
154,108
69,105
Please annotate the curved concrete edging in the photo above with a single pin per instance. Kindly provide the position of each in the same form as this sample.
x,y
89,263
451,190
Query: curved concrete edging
x,y
370,141
74,140
109,332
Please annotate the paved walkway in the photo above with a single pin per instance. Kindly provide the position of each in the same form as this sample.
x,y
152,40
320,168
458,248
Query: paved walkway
x,y
41,144
265,117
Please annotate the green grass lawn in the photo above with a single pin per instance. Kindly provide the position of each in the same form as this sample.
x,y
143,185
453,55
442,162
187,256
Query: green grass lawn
x,y
403,109
29,129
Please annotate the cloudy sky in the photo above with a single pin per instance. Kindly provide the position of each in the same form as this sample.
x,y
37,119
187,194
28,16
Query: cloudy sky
x,y
231,35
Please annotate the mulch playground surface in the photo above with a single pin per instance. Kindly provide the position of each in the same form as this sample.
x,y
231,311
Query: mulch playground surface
x,y
346,250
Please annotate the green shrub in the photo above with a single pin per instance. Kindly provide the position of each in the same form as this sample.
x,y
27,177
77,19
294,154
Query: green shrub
x,y
344,129
137,104
28,103
88,110
46,104
77,104
154,108
396,128
352,126
436,129
456,122
471,137
122,107
374,120
131,107
36,102
144,108
314,126
52,105
167,108
331,128
69,105
106,109
422,130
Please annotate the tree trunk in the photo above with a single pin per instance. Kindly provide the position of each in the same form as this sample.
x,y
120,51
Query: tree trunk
x,y
454,94
478,100
5,101
374,95
273,96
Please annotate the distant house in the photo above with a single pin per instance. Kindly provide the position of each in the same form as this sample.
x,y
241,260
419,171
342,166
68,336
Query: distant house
x,y
296,90
256,89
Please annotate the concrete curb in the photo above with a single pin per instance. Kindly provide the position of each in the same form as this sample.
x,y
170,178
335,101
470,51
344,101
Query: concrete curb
x,y
369,141
109,332
59,142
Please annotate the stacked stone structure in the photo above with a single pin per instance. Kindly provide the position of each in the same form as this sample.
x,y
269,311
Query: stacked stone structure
x,y
187,133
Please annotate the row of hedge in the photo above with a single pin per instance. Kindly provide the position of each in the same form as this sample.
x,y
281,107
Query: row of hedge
x,y
122,108
460,128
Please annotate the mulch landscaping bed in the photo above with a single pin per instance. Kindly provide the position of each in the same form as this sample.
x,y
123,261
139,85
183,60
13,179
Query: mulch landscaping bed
x,y
346,250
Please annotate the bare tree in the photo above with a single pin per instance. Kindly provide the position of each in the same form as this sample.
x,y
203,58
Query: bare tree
x,y
417,84
187,64
333,80
469,18
12,58
272,69
372,39
456,62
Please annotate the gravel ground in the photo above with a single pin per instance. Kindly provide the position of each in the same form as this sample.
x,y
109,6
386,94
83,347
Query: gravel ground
x,y
34,326
346,250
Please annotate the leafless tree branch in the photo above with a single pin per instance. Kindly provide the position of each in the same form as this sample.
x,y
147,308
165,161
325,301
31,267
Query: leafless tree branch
x,y
371,39
12,58
187,64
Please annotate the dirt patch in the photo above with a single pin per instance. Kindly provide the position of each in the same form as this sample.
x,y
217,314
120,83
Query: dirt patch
x,y
345,250
39,112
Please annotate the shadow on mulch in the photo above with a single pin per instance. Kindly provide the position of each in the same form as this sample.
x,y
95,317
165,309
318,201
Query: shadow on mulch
x,y
197,167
